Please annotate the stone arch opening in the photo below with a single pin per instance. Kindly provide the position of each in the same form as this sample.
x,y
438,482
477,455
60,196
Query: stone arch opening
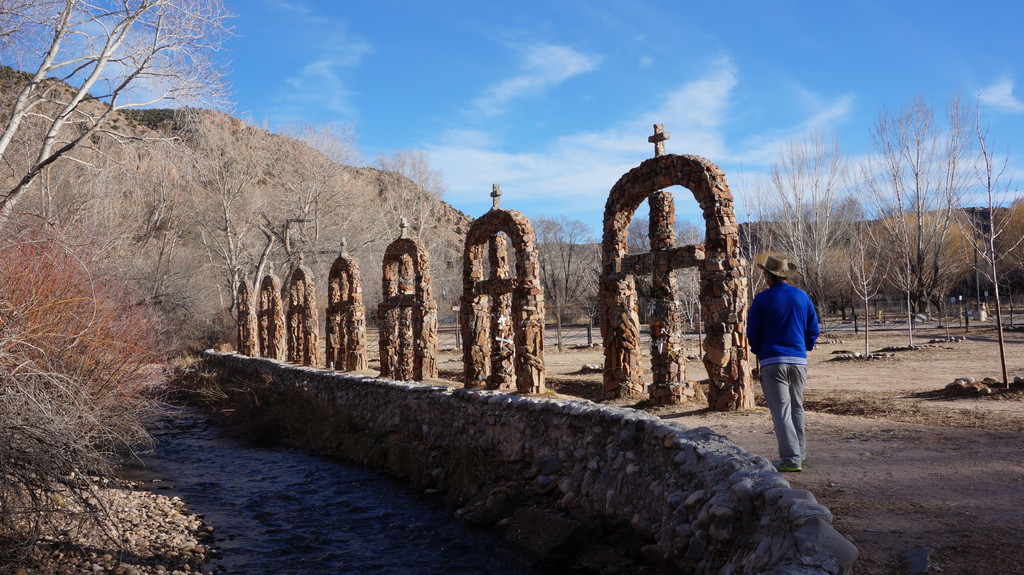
x,y
303,328
502,313
722,284
346,316
248,333
407,315
271,319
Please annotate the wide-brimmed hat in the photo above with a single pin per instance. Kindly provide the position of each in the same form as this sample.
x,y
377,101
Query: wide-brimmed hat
x,y
778,266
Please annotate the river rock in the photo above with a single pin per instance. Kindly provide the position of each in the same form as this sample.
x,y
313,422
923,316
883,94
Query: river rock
x,y
915,561
542,537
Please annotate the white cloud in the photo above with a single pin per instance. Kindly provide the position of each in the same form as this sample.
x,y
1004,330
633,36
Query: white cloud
x,y
319,85
300,8
825,116
694,114
572,174
544,67
1000,95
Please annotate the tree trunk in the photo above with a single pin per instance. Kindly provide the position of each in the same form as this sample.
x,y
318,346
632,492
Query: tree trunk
x,y
910,322
558,328
999,330
867,320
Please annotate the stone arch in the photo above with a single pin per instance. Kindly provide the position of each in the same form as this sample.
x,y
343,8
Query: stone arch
x,y
346,316
504,306
248,336
271,319
722,278
407,315
303,328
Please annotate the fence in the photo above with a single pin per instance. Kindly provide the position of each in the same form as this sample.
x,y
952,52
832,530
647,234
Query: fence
x,y
573,335
885,315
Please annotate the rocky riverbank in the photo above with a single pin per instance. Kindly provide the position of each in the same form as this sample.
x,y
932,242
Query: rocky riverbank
x,y
138,533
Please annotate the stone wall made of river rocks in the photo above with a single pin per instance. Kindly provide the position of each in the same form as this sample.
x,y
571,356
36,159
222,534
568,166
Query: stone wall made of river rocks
x,y
707,505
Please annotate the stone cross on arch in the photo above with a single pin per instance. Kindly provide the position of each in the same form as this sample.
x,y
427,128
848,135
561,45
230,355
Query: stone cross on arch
x,y
407,314
501,312
658,139
303,331
496,197
247,324
271,328
665,316
346,315
722,281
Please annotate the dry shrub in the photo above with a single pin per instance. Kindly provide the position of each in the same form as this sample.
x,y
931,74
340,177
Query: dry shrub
x,y
76,348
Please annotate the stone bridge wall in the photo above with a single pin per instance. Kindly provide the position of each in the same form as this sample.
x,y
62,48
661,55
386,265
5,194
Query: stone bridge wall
x,y
708,505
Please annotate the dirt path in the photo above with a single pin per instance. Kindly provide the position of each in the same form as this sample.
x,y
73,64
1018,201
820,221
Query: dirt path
x,y
895,487
900,466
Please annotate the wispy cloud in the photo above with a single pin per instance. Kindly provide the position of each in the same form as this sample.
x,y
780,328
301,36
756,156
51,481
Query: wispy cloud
x,y
825,116
696,112
572,174
318,85
544,66
300,8
1000,95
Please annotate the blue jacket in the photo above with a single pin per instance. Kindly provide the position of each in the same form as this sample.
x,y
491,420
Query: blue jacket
x,y
782,326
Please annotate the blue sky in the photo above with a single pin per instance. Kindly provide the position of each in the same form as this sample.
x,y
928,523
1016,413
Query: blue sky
x,y
555,100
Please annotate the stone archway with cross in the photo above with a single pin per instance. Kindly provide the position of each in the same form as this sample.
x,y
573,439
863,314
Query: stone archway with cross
x,y
271,324
407,315
502,316
303,328
346,316
722,281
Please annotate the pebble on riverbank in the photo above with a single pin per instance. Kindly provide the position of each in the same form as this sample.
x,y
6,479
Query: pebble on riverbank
x,y
143,534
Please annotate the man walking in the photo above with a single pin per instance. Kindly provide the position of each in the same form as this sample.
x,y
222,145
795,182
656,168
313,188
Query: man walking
x,y
782,328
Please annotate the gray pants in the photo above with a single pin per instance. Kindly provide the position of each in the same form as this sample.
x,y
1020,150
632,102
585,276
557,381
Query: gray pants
x,y
783,387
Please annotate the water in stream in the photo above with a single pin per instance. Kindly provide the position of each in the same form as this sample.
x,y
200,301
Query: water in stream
x,y
282,511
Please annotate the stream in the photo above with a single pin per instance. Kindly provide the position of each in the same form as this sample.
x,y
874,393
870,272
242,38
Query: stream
x,y
283,511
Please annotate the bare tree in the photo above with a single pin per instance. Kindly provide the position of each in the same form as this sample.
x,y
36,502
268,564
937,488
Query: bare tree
x,y
755,232
984,230
915,181
313,206
568,261
228,166
865,271
409,189
638,241
805,199
92,59
688,280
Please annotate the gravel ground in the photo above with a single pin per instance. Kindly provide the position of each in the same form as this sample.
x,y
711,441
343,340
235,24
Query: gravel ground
x,y
143,533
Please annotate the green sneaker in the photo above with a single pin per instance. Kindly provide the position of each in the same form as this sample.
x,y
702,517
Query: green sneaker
x,y
782,466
